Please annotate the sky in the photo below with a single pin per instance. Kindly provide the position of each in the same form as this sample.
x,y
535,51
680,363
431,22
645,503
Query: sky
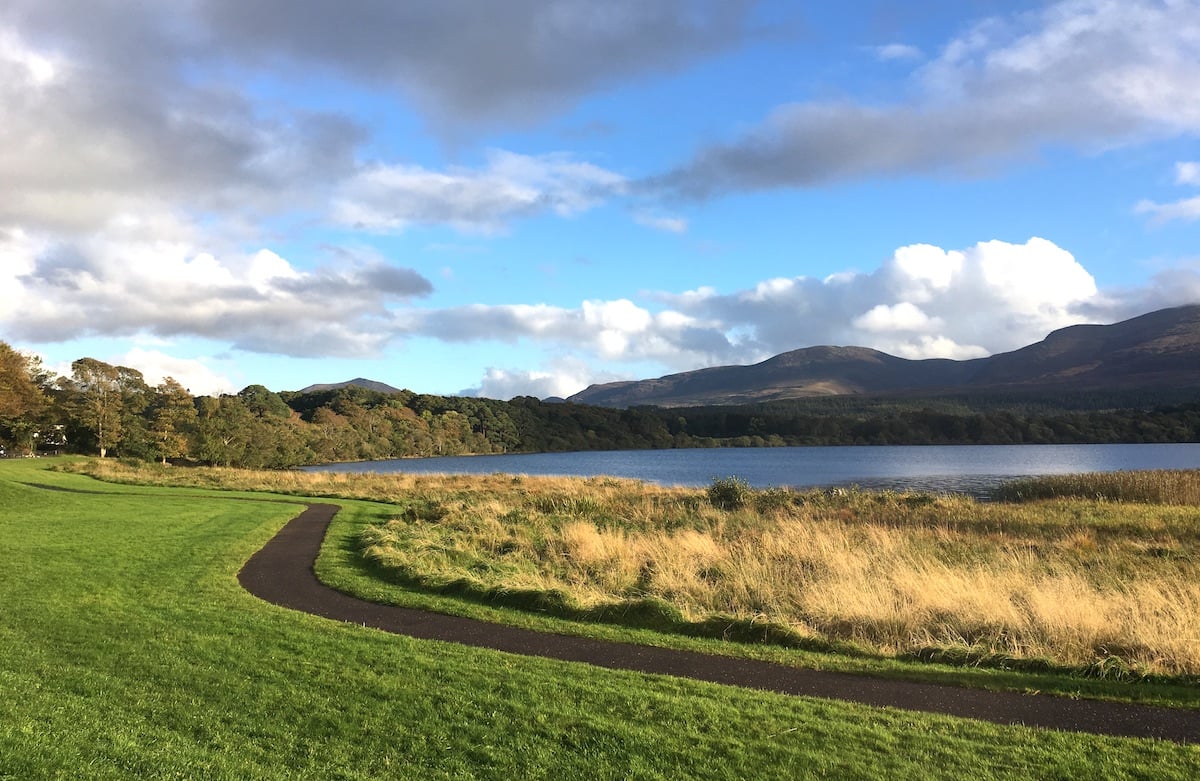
x,y
529,197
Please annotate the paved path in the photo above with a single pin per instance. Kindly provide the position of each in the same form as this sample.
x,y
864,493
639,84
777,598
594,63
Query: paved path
x,y
282,573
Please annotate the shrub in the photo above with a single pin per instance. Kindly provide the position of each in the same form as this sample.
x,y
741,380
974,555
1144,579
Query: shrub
x,y
728,493
774,500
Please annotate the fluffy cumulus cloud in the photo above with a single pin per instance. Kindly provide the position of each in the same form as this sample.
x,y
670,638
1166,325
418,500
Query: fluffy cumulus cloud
x,y
904,317
562,377
130,280
198,376
922,302
1090,73
390,198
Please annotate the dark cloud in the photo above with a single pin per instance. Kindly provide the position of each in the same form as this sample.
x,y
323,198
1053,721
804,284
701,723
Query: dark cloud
x,y
88,143
465,61
145,103
396,281
372,281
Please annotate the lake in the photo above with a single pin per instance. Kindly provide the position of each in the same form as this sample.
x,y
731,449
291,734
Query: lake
x,y
972,469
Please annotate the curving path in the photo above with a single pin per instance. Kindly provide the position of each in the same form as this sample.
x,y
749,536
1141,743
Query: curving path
x,y
282,573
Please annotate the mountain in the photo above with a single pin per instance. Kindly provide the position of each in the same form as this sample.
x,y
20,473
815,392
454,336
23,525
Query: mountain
x,y
371,385
1160,350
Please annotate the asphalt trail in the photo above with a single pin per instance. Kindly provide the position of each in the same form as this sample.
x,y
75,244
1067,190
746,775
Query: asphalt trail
x,y
282,573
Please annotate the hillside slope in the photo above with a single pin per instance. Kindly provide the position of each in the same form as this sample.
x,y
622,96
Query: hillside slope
x,y
371,385
1160,350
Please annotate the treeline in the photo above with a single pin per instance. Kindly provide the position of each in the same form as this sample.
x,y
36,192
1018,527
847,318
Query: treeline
x,y
111,410
920,425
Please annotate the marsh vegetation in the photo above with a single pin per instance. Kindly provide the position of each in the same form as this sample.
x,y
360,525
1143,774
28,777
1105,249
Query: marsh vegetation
x,y
1097,574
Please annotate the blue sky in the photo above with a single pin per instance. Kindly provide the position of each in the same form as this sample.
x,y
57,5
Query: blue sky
x,y
532,196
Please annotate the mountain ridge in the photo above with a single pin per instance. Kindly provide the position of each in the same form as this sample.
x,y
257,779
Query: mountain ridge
x,y
1157,349
371,385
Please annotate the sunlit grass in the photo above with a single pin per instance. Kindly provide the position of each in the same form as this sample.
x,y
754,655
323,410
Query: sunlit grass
x,y
128,650
1168,486
1103,587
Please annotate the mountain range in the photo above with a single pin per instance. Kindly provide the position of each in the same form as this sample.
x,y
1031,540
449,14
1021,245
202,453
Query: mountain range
x,y
1156,351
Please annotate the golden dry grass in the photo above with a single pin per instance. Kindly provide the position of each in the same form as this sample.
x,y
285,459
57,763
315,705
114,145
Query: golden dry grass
x,y
1072,581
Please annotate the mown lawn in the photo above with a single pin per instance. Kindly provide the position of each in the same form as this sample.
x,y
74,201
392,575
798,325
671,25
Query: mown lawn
x,y
128,650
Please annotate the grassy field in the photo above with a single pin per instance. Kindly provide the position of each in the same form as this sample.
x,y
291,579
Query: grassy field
x,y
1105,586
128,650
1096,586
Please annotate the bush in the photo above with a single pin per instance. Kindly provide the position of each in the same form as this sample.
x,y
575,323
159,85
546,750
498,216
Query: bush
x,y
728,493
774,500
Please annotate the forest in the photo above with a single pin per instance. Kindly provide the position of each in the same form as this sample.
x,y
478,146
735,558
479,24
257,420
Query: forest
x,y
108,410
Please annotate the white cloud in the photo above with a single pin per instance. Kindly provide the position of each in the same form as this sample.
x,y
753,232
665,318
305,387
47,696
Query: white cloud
x,y
1033,277
618,330
1089,74
934,347
564,378
903,317
661,222
391,198
1187,209
147,277
923,302
898,51
1187,173
18,59
195,375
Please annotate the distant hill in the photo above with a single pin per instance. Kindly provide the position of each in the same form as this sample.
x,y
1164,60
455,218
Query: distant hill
x,y
1160,350
371,385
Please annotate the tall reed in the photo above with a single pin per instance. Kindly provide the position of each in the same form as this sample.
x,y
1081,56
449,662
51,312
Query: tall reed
x,y
1098,584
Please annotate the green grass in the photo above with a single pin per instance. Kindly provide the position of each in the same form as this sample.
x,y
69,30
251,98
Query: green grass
x,y
640,506
128,650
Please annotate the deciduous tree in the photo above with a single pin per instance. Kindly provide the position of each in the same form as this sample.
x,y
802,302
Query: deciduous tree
x,y
97,402
172,419
22,400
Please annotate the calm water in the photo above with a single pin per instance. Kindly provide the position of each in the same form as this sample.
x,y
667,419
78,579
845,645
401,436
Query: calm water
x,y
973,469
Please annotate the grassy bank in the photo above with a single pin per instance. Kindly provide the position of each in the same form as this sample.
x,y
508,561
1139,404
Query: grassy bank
x,y
129,651
1093,593
1101,586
